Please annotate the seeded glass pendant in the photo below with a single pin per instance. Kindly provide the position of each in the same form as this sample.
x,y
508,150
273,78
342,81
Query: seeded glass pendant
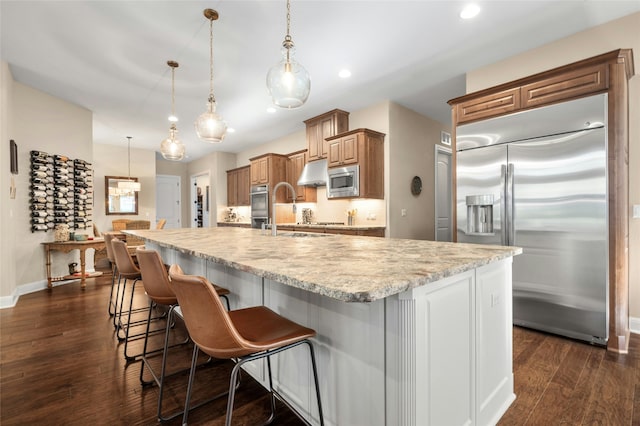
x,y
171,148
210,127
288,82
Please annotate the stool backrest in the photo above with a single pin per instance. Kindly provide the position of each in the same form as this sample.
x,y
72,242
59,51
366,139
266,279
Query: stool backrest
x,y
207,321
126,266
108,238
155,277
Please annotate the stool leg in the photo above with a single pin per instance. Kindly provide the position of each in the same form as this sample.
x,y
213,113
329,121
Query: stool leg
x,y
146,340
192,375
273,397
232,390
315,378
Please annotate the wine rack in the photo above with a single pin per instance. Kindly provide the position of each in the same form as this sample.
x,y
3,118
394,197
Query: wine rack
x,y
83,193
41,191
61,192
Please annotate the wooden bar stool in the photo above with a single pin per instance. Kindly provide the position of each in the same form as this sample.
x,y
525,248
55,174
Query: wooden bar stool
x,y
243,335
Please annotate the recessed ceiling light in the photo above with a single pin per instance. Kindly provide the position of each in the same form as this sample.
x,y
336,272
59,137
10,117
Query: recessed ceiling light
x,y
470,11
271,110
173,119
231,130
344,73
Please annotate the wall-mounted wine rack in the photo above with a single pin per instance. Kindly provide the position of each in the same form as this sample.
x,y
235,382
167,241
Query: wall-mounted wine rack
x,y
61,192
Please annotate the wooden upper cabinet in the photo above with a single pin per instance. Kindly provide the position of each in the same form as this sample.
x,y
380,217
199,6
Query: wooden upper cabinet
x,y
238,187
568,85
321,127
295,165
343,150
269,169
489,106
364,147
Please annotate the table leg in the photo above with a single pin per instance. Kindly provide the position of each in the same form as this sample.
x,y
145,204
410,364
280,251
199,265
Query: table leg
x,y
48,262
82,280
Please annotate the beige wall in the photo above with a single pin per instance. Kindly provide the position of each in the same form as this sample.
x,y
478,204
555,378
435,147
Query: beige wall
x,y
111,160
8,206
412,153
60,128
621,33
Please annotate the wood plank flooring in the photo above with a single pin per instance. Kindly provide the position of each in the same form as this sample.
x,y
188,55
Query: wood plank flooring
x,y
60,363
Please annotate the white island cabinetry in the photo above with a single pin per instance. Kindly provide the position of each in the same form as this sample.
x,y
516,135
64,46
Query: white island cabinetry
x,y
428,344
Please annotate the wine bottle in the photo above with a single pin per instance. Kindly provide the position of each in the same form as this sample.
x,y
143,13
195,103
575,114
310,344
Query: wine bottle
x,y
39,227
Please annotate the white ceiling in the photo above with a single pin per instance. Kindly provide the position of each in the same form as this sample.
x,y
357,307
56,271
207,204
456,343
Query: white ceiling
x,y
110,57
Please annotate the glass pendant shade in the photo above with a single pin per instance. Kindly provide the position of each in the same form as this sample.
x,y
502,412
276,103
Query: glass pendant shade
x,y
171,148
288,82
210,126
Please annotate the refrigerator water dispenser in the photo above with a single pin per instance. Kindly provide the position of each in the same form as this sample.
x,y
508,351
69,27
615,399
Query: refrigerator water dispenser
x,y
480,214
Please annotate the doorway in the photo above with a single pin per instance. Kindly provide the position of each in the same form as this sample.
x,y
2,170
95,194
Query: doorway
x,y
200,202
168,205
443,190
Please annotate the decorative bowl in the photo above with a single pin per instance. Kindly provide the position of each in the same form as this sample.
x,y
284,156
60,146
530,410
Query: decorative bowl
x,y
81,237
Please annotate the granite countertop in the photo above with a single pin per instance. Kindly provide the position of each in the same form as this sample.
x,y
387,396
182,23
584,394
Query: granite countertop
x,y
347,268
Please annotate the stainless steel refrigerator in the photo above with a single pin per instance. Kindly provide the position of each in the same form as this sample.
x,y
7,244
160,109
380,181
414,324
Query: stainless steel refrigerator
x,y
538,180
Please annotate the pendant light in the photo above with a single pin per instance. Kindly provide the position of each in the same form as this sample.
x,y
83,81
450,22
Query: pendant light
x,y
210,126
130,184
171,148
288,82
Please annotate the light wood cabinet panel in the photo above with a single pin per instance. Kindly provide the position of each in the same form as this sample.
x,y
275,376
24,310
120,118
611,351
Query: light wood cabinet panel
x,y
321,127
489,106
238,187
295,165
565,86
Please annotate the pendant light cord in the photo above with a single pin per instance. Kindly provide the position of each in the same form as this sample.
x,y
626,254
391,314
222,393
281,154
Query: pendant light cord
x,y
173,96
211,98
129,156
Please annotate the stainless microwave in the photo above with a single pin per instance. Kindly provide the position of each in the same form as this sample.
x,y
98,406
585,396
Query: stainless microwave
x,y
343,182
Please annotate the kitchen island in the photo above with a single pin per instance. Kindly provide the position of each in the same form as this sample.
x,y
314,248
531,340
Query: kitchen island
x,y
408,332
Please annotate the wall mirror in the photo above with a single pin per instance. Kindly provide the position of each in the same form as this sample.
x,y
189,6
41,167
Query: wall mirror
x,y
118,200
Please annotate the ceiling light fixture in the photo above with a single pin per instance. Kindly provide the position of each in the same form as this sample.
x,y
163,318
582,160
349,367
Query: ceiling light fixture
x,y
288,82
470,11
130,184
345,73
171,148
210,126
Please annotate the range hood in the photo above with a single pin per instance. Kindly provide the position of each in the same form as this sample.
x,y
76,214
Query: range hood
x,y
314,174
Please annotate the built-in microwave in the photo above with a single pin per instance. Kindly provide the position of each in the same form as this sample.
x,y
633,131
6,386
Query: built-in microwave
x,y
343,182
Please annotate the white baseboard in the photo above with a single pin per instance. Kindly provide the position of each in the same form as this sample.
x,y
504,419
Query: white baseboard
x,y
634,325
10,301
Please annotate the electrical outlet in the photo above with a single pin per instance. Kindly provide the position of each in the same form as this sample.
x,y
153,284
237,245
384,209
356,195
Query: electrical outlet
x,y
495,300
445,138
636,211
403,212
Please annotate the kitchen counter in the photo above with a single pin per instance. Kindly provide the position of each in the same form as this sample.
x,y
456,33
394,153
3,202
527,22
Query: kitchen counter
x,y
235,224
350,269
432,344
334,228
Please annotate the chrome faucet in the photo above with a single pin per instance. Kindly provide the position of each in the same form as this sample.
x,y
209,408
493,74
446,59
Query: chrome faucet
x,y
274,229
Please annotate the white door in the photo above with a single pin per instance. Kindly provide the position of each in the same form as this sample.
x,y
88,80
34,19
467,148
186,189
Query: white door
x,y
443,193
168,190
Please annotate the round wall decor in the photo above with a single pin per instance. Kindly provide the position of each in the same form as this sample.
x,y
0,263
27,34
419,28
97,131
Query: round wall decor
x,y
416,185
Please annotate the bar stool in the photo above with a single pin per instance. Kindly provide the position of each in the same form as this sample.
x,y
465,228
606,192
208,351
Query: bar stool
x,y
127,270
156,284
112,303
243,334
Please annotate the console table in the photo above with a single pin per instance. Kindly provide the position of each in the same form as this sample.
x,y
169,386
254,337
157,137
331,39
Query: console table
x,y
66,247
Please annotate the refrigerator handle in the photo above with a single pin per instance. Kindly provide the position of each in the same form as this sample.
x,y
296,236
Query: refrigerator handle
x,y
503,205
511,212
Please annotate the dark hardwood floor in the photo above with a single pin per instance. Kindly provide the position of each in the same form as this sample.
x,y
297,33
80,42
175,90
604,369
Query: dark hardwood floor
x,y
60,363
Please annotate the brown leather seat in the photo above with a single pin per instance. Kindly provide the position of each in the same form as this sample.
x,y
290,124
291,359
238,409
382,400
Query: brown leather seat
x,y
157,287
108,237
243,334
